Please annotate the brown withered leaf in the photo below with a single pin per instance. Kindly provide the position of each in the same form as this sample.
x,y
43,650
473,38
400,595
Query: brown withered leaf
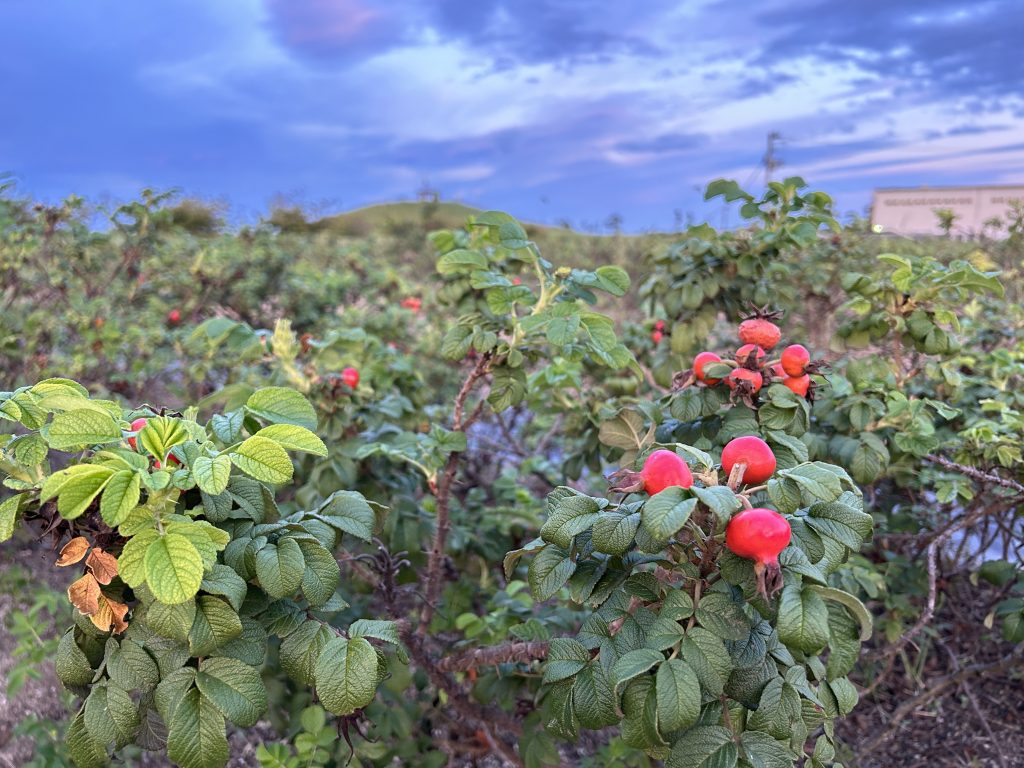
x,y
84,594
73,551
103,565
110,615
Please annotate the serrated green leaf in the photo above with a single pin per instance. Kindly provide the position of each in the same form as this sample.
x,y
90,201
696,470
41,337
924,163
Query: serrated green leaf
x,y
81,427
346,675
215,624
549,571
280,568
195,737
174,569
280,405
212,473
678,693
120,497
613,533
263,460
802,619
707,746
665,513
234,688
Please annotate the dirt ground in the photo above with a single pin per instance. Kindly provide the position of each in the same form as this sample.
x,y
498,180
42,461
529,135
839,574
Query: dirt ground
x,y
977,725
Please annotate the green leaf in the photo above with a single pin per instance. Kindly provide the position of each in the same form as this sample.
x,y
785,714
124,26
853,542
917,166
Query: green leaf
x,y
593,700
263,460
236,689
613,280
172,621
174,569
301,649
195,737
678,693
708,746
73,668
803,619
349,512
227,427
215,624
508,388
665,513
280,568
160,434
280,405
852,604
132,668
346,675
549,571
778,709
625,431
461,261
566,657
706,653
212,473
634,663
720,614
120,497
321,575
613,532
570,517
86,751
9,509
293,438
719,499
81,427
222,580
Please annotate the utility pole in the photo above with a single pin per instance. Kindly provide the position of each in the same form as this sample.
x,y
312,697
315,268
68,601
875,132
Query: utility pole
x,y
770,161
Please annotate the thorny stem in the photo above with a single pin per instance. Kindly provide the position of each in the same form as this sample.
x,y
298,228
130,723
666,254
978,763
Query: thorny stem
x,y
499,654
975,473
443,491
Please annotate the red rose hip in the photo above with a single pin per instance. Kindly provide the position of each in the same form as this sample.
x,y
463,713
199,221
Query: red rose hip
x,y
698,366
763,333
664,469
750,379
760,534
350,376
743,354
137,425
799,384
794,359
754,453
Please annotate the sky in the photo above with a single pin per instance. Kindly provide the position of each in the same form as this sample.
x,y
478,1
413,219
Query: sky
x,y
553,110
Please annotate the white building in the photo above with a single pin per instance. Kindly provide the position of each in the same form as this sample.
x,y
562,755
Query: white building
x,y
912,210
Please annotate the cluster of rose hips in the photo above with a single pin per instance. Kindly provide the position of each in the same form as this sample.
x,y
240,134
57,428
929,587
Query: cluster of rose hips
x,y
752,370
756,533
659,332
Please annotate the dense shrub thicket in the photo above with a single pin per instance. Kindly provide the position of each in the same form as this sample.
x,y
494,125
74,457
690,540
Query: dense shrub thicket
x,y
501,512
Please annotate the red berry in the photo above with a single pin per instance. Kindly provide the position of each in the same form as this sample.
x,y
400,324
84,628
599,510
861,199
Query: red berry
x,y
412,303
795,357
752,451
517,281
753,378
659,325
757,330
777,371
350,376
698,366
664,469
656,336
758,534
799,384
174,317
136,426
743,354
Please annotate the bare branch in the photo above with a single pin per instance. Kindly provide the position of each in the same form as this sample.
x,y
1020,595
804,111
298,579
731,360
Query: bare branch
x,y
498,654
